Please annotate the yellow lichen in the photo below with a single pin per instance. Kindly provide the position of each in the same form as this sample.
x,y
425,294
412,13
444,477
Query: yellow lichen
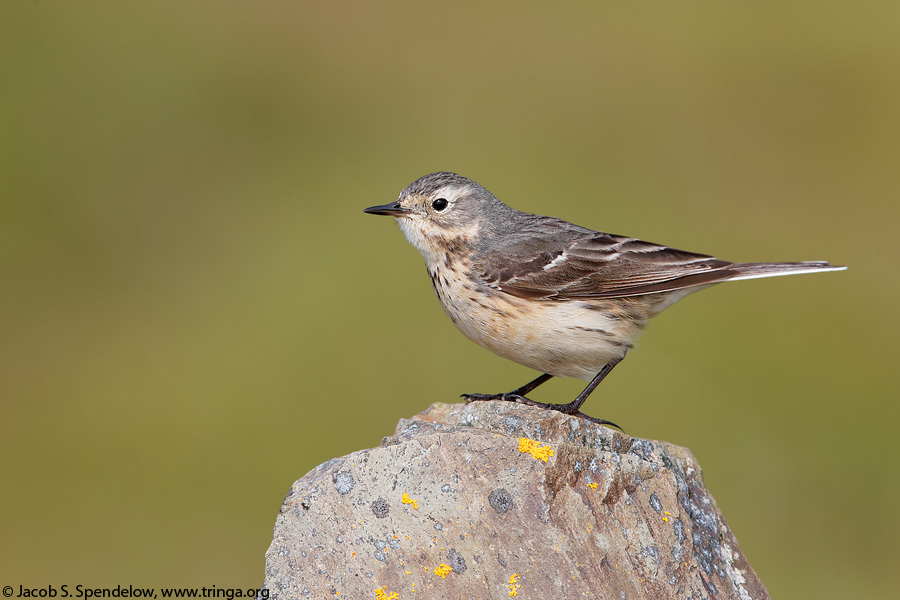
x,y
535,449
443,570
380,594
513,586
407,500
593,486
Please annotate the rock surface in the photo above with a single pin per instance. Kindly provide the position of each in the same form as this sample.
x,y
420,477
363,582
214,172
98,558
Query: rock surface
x,y
501,500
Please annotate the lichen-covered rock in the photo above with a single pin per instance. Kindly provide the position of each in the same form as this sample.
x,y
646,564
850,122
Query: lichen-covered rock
x,y
501,500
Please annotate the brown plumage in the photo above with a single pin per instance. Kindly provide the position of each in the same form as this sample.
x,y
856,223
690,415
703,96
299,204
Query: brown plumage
x,y
563,261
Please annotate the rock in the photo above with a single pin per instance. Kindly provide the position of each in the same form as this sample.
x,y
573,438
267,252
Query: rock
x,y
500,500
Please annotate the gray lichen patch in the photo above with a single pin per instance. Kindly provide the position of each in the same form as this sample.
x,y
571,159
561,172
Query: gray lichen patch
x,y
343,482
380,508
456,561
500,500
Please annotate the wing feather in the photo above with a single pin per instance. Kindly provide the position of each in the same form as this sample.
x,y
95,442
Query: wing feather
x,y
550,258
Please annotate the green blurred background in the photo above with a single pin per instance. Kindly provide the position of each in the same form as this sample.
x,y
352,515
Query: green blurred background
x,y
195,311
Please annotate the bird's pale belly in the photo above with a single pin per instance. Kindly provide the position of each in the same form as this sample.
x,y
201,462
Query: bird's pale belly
x,y
571,338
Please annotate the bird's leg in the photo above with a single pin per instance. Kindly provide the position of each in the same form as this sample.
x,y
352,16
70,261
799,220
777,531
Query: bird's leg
x,y
525,389
516,395
572,407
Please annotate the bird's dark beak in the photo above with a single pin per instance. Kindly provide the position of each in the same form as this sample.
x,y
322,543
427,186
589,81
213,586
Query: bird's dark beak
x,y
392,210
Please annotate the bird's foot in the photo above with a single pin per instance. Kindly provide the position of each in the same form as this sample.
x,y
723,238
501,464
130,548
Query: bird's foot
x,y
581,415
566,409
572,409
507,397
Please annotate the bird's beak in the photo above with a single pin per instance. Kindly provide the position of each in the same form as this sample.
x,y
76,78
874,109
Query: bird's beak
x,y
393,210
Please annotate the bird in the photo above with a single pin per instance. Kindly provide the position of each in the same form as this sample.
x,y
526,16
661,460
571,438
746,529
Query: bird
x,y
561,299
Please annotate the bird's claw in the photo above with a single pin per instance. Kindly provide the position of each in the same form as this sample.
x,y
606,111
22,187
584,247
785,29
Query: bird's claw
x,y
566,409
505,397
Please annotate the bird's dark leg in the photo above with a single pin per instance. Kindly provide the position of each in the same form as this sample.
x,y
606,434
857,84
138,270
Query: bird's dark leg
x,y
514,396
572,407
522,391
518,395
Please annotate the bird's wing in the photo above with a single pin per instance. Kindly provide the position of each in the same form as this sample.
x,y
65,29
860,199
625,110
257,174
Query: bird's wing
x,y
549,258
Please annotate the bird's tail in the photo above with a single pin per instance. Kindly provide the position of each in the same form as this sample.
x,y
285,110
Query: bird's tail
x,y
757,270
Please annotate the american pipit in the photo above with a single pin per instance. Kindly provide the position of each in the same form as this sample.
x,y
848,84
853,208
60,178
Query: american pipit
x,y
547,294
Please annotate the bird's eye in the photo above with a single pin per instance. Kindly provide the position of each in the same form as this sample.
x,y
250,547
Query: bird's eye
x,y
440,204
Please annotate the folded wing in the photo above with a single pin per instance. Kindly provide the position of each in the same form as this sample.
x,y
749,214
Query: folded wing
x,y
557,260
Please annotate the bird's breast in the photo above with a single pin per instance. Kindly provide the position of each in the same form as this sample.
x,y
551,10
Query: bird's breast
x,y
566,338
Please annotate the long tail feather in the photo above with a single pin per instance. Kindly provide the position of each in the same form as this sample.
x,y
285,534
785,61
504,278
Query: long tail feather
x,y
757,270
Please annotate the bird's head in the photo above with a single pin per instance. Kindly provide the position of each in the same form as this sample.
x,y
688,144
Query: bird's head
x,y
441,211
